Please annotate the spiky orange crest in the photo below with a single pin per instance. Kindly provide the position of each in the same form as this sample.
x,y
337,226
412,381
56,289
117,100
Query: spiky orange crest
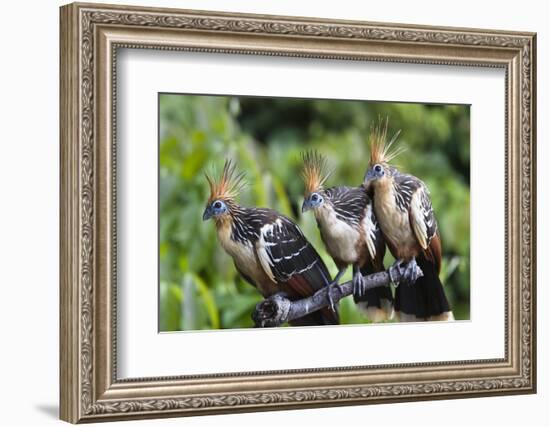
x,y
228,185
314,171
381,150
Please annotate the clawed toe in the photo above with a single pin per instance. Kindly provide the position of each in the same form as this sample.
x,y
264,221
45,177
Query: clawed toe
x,y
408,270
331,303
358,283
412,272
396,272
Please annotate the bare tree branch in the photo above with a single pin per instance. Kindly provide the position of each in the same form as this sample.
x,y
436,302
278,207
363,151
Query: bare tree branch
x,y
278,309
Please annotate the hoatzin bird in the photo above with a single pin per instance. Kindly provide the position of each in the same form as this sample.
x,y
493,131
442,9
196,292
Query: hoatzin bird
x,y
268,249
350,232
404,210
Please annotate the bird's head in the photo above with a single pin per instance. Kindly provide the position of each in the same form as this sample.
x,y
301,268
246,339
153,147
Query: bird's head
x,y
313,201
381,153
223,192
376,172
215,209
314,174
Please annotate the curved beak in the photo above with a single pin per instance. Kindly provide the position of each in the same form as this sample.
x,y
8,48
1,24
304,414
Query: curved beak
x,y
207,214
306,206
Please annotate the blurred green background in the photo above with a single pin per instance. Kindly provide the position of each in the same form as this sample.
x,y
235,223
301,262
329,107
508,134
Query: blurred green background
x,y
199,286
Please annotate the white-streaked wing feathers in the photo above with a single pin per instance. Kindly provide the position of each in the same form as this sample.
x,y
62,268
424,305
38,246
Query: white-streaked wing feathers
x,y
370,228
284,253
263,257
422,217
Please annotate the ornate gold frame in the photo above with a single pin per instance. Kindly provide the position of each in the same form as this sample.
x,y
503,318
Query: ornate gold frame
x,y
90,36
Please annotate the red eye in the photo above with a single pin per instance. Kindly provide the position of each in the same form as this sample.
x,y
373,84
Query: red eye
x,y
378,168
217,205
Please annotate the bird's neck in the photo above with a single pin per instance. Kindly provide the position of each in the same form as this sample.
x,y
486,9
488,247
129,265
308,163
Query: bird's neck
x,y
224,227
325,215
384,193
385,205
224,223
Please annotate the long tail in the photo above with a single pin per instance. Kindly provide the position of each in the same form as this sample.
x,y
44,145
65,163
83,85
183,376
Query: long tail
x,y
377,304
425,299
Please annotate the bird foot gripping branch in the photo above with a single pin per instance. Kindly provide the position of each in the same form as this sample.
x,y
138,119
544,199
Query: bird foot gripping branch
x,y
278,309
409,272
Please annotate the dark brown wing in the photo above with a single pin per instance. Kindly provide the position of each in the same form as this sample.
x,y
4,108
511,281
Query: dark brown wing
x,y
377,303
290,259
348,203
354,206
424,224
434,252
374,238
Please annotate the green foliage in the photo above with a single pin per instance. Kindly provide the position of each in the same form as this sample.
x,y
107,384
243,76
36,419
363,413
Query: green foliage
x,y
199,286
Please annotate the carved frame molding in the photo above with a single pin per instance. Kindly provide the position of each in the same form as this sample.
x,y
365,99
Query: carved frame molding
x,y
90,37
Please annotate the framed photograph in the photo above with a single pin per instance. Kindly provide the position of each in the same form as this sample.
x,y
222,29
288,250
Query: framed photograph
x,y
265,212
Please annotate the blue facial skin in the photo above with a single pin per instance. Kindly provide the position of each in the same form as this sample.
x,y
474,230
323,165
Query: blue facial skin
x,y
375,172
215,209
313,201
